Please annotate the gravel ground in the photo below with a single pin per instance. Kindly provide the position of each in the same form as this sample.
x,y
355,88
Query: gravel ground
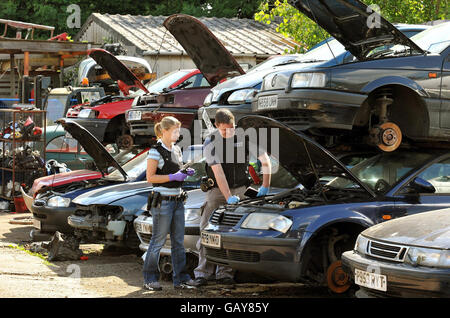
x,y
106,273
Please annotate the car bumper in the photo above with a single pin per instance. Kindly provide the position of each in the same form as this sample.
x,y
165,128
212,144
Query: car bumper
x,y
52,219
303,109
191,237
402,280
112,230
274,258
95,126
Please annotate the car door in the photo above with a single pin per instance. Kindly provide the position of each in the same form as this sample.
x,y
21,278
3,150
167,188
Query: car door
x,y
438,175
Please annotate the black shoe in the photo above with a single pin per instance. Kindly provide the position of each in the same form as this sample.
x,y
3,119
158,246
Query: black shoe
x,y
225,281
199,281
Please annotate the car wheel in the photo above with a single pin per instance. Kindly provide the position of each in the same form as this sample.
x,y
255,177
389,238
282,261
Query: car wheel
x,y
337,280
124,142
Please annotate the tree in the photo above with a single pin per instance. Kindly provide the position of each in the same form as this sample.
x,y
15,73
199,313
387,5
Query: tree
x,y
305,31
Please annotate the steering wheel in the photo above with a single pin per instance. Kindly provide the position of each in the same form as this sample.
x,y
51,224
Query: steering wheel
x,y
381,185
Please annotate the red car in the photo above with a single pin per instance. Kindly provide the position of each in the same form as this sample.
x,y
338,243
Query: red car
x,y
212,59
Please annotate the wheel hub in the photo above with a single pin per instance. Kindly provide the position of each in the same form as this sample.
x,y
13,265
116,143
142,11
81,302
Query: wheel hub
x,y
125,142
338,281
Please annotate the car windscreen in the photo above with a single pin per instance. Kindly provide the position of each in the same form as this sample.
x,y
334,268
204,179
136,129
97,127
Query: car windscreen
x,y
163,82
384,170
134,168
56,106
325,52
434,39
276,60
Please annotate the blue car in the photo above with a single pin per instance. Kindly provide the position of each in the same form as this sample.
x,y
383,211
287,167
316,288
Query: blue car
x,y
299,234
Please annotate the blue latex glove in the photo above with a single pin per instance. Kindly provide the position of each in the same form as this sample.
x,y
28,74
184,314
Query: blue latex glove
x,y
179,176
234,199
262,191
190,172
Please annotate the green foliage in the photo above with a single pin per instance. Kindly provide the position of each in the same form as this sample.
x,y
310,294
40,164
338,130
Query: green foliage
x,y
292,24
305,31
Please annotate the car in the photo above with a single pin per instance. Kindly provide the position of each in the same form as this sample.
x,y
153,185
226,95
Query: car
x,y
50,198
391,89
237,93
299,235
98,76
143,223
106,214
407,257
213,61
104,117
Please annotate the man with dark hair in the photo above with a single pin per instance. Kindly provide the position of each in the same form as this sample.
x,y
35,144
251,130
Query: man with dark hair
x,y
230,175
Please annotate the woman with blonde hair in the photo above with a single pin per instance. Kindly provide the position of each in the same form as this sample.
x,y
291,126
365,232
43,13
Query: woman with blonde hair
x,y
166,203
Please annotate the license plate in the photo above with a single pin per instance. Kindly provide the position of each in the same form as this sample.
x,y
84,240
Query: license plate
x,y
211,240
370,280
134,115
266,102
144,228
37,224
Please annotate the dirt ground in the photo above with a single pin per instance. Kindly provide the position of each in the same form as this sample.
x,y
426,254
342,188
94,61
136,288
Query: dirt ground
x,y
106,273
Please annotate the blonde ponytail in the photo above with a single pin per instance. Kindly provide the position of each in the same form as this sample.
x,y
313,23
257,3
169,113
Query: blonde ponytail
x,y
158,130
166,123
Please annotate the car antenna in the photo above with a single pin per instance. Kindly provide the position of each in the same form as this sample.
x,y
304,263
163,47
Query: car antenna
x,y
321,30
159,50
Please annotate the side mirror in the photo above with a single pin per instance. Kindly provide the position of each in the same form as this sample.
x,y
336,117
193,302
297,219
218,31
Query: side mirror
x,y
419,185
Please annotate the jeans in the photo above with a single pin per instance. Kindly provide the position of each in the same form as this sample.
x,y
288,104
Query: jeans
x,y
167,219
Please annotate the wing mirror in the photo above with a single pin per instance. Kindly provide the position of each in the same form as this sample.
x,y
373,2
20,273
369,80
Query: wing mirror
x,y
419,185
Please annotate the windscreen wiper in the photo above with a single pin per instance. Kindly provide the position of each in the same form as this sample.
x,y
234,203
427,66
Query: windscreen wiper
x,y
182,85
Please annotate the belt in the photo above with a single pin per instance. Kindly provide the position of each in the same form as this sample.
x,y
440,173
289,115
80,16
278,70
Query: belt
x,y
180,197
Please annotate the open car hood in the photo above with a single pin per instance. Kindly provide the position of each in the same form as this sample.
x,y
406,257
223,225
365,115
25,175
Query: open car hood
x,y
102,158
116,69
350,22
305,159
208,54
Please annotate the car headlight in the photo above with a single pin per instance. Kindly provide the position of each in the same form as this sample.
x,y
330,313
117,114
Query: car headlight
x,y
190,215
429,257
241,96
87,113
58,202
300,80
361,245
266,221
208,99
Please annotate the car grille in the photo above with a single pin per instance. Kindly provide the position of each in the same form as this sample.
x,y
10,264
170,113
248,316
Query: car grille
x,y
233,255
387,251
223,217
145,238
